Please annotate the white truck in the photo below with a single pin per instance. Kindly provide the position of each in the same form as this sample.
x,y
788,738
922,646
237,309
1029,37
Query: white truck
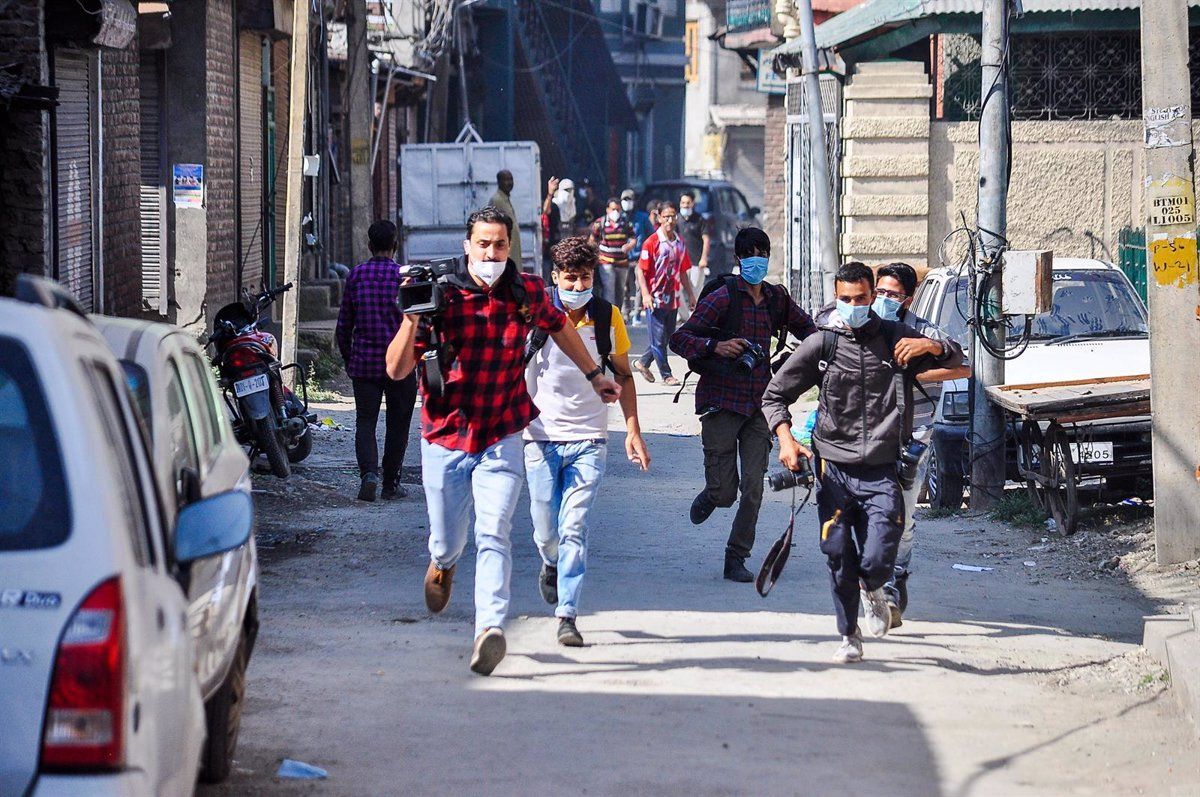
x,y
442,184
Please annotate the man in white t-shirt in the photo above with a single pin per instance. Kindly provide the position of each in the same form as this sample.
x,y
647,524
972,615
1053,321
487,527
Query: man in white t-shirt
x,y
566,445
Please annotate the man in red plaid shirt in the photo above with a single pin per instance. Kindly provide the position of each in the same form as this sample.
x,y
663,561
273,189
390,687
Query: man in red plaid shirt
x,y
472,451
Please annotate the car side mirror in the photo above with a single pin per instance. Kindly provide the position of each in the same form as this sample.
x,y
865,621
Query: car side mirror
x,y
213,525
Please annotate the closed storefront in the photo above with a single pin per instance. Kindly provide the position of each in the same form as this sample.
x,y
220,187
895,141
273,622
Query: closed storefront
x,y
252,164
153,191
75,134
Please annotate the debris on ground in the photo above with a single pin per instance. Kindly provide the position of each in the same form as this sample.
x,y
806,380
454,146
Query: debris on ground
x,y
300,770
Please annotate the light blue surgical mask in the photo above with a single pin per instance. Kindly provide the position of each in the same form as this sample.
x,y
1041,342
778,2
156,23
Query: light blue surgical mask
x,y
573,300
854,315
887,308
754,269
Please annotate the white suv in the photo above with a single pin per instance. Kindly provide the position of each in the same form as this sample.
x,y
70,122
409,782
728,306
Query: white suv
x,y
98,690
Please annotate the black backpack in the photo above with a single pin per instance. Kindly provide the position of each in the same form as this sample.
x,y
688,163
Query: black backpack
x,y
731,324
599,311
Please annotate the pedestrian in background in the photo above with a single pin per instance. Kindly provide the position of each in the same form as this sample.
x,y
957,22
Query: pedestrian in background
x,y
551,224
502,200
696,231
613,235
367,322
662,269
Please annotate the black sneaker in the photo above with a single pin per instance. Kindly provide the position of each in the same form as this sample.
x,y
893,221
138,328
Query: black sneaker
x,y
701,508
392,490
366,491
568,634
548,582
735,570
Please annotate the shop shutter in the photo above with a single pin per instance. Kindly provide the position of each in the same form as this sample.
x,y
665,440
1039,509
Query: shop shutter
x,y
74,174
252,171
153,186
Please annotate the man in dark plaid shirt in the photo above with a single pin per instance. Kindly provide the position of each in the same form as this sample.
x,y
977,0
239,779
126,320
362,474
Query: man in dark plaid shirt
x,y
367,322
729,402
472,452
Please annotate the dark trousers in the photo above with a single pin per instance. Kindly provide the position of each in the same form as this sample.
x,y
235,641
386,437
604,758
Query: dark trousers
x,y
726,436
861,508
401,397
662,326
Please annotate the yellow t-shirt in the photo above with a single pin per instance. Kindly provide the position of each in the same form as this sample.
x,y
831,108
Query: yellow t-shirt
x,y
569,410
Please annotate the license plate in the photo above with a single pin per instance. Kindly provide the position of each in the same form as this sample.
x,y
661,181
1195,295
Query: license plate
x,y
1100,453
255,384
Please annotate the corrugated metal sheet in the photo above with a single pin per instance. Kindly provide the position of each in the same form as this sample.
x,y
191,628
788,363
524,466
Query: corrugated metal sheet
x,y
152,191
75,181
876,14
252,171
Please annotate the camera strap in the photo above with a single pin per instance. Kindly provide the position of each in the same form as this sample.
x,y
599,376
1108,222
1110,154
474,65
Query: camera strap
x,y
777,557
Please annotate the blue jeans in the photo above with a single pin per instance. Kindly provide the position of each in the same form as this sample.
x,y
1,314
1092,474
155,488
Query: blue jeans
x,y
563,478
491,481
909,538
662,327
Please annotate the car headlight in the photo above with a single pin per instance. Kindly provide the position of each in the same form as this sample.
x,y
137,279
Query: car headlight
x,y
956,405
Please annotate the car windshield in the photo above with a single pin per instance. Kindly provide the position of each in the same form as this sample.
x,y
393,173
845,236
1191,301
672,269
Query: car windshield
x,y
672,192
1086,302
32,489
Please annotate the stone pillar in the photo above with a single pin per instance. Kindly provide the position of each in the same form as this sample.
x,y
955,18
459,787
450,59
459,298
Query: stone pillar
x,y
885,164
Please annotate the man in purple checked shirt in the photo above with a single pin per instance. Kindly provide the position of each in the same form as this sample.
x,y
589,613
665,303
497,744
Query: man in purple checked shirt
x,y
366,324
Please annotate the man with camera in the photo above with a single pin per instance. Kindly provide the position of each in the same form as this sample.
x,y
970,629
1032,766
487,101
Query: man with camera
x,y
466,321
727,341
863,430
895,284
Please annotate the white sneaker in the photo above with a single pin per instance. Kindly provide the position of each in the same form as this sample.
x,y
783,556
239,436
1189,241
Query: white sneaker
x,y
875,608
850,651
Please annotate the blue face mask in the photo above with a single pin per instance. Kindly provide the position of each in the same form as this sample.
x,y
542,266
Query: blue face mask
x,y
754,269
573,300
887,308
854,315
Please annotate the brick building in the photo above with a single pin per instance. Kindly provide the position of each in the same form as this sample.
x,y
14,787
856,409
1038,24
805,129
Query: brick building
x,y
100,104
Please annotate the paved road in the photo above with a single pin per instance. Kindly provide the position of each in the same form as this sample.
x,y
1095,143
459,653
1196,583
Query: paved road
x,y
1007,683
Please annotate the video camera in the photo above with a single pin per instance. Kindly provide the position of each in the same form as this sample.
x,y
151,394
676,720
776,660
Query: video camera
x,y
421,291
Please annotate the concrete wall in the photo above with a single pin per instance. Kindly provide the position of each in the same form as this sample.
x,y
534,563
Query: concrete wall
x,y
1074,184
220,169
24,146
699,93
775,169
121,117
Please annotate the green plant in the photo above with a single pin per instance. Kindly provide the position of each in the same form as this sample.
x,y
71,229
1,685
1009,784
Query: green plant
x,y
1016,508
318,393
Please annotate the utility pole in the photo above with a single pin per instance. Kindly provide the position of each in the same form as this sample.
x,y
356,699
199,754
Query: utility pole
x,y
826,228
1170,210
987,444
293,201
361,106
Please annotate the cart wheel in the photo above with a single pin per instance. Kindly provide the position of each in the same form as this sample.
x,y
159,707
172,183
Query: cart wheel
x,y
1031,453
1062,497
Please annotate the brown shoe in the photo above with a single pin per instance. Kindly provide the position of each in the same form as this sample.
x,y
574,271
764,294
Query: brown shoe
x,y
490,648
438,583
643,370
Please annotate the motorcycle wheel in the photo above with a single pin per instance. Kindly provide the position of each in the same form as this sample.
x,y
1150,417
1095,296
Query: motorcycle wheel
x,y
299,450
270,440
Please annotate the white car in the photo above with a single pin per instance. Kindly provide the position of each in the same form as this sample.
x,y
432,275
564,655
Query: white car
x,y
98,690
197,456
1096,328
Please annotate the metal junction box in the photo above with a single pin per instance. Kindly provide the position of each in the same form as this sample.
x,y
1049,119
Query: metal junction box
x,y
1028,282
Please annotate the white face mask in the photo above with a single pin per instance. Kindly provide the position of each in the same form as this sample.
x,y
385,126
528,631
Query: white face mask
x,y
613,215
626,205
685,213
488,270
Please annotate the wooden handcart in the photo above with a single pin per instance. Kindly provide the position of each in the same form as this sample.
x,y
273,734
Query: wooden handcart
x,y
1052,461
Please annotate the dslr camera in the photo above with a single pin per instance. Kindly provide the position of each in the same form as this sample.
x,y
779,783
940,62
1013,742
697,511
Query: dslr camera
x,y
421,292
751,358
787,479
909,464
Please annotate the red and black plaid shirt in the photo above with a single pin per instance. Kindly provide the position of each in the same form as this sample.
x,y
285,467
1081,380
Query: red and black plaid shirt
x,y
740,394
485,398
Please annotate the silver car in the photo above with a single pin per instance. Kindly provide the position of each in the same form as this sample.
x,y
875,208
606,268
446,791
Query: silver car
x,y
196,456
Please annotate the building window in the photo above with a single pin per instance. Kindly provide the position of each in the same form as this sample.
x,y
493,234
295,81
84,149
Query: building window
x,y
646,18
691,47
1090,75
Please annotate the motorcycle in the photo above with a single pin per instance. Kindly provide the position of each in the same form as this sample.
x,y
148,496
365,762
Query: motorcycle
x,y
267,416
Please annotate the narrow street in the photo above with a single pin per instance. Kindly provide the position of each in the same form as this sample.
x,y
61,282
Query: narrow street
x,y
1014,681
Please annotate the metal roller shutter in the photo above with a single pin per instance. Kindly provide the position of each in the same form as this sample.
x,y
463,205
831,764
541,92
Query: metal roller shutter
x,y
153,186
252,172
74,174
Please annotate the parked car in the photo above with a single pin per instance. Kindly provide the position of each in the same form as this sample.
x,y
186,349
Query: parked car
x,y
197,456
98,691
1096,328
716,200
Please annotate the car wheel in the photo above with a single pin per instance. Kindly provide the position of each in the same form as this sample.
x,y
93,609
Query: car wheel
x,y
223,720
299,450
944,487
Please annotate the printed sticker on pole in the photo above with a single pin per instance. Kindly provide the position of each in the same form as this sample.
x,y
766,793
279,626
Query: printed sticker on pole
x,y
1173,259
1170,201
